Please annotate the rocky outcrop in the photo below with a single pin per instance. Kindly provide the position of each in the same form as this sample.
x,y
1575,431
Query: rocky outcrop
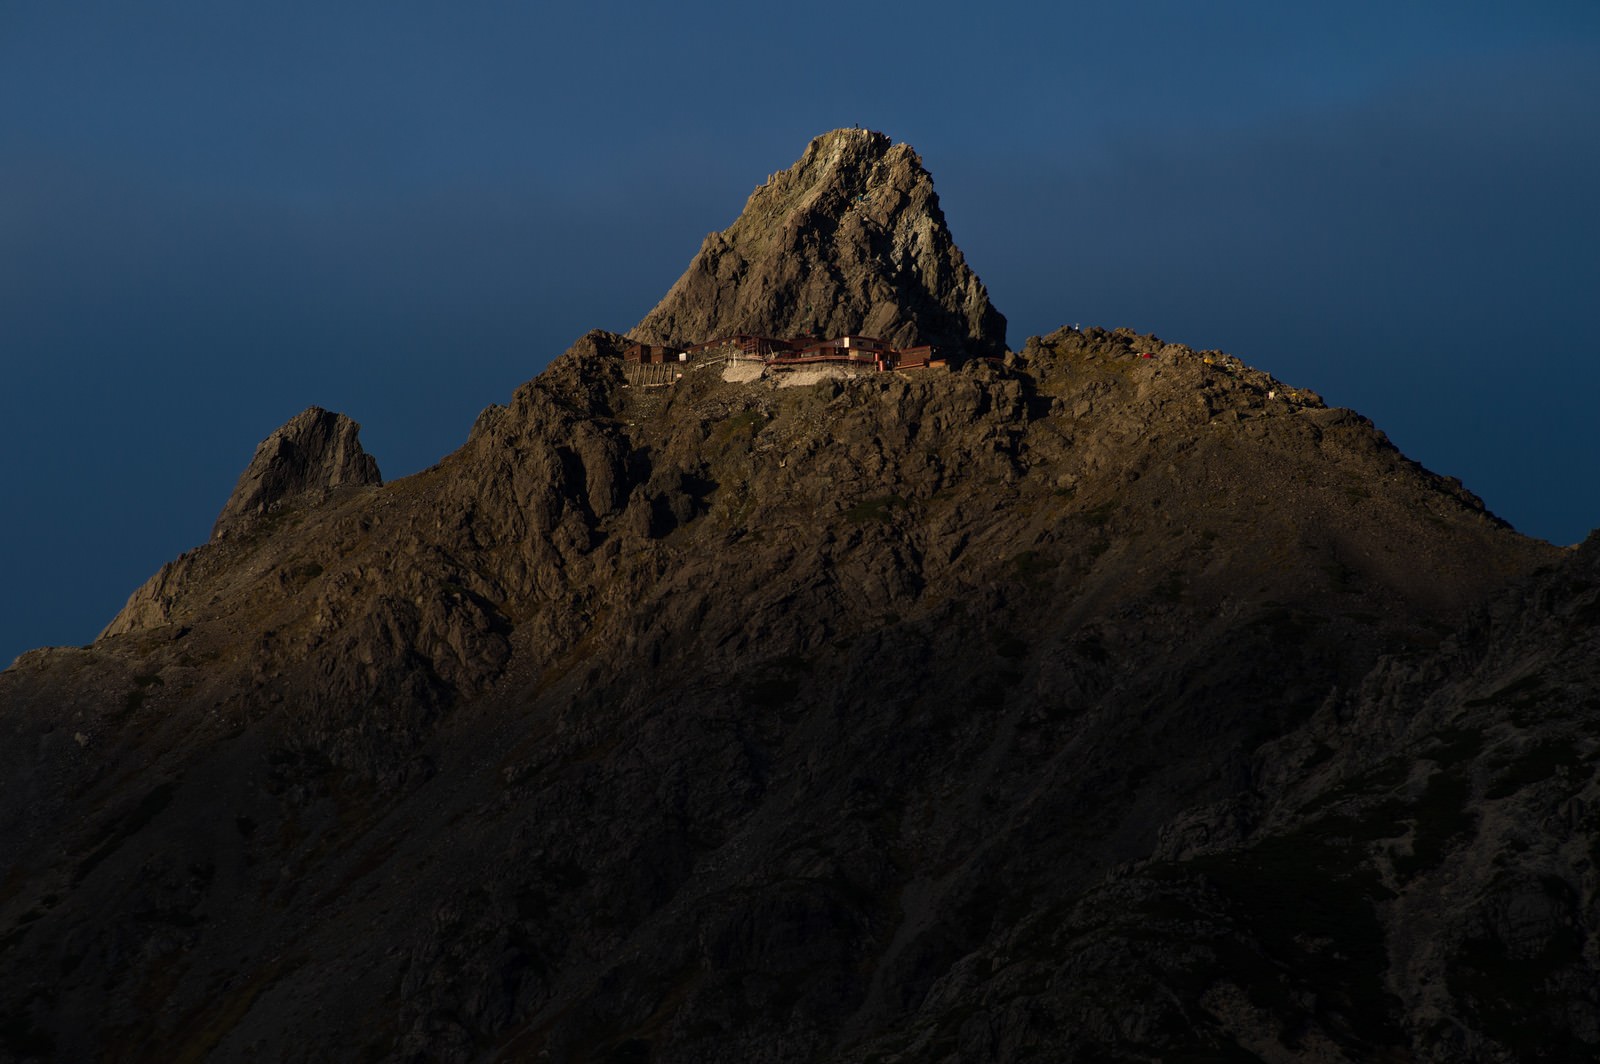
x,y
848,240
315,451
301,464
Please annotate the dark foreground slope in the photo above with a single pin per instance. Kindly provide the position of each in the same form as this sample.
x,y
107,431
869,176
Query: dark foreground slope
x,y
1085,707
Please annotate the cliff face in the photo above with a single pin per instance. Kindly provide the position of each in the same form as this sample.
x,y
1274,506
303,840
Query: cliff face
x,y
316,451
848,240
1085,706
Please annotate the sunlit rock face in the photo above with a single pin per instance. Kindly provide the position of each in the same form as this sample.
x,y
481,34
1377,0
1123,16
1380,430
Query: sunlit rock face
x,y
848,240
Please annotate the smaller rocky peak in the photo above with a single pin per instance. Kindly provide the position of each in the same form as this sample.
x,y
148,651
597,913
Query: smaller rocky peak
x,y
577,384
314,452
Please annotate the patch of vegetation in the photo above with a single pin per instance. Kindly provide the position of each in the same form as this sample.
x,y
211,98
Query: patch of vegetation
x,y
1320,755
989,688
1385,776
1522,693
1341,577
205,1026
1090,645
1099,515
1451,746
1441,817
1534,766
776,683
1292,922
1525,700
742,427
1009,646
1283,624
1030,565
791,663
1386,820
1509,994
21,1039
114,835
1310,905
547,883
1171,588
876,509
739,502
629,1051
1586,615
141,690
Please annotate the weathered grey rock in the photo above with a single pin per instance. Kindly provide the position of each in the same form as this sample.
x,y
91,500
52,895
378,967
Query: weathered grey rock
x,y
314,451
848,240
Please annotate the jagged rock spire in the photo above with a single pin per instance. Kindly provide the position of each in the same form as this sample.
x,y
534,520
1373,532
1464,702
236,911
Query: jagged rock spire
x,y
313,451
848,240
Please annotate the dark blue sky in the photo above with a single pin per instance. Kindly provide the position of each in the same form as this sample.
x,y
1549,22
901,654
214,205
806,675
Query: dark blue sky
x,y
215,214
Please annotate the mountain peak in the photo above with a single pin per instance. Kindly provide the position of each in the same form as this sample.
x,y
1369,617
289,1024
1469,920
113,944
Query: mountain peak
x,y
316,450
850,239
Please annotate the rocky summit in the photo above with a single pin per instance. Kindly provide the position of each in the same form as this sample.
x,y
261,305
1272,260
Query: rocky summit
x,y
848,240
1103,700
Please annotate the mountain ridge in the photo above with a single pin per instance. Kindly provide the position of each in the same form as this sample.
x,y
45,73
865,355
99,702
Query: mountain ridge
x,y
1107,700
